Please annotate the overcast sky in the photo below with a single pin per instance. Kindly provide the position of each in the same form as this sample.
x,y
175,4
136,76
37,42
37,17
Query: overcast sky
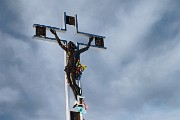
x,y
136,78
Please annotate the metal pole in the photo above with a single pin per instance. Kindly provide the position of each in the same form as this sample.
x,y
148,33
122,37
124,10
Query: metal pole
x,y
79,81
66,91
81,117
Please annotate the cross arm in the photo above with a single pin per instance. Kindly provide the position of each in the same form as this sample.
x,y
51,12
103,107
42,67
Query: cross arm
x,y
49,39
94,46
89,35
49,27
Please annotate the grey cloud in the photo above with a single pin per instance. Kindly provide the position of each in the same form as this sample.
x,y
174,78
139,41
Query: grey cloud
x,y
135,78
22,74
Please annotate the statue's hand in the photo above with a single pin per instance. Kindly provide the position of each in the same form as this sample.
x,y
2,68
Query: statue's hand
x,y
53,31
91,39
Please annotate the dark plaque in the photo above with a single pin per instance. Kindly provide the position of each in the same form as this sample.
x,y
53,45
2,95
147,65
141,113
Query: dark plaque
x,y
40,31
74,115
70,20
99,42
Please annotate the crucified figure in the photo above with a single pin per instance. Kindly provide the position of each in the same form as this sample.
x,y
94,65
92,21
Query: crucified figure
x,y
73,55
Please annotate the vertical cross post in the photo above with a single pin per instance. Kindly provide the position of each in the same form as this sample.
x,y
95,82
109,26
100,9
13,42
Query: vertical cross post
x,y
66,86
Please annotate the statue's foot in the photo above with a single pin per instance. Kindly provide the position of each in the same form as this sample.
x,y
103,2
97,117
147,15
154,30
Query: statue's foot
x,y
75,103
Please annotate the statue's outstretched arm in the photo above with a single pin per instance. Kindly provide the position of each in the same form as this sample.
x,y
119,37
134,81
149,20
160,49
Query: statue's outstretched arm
x,y
87,47
58,40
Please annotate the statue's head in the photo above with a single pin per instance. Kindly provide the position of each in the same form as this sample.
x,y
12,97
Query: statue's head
x,y
71,46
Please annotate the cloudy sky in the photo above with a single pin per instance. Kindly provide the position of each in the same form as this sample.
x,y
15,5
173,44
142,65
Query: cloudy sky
x,y
136,78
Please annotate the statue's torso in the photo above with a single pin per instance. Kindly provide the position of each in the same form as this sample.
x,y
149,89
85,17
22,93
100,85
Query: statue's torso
x,y
72,58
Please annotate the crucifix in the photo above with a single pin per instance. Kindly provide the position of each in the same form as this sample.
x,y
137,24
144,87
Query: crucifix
x,y
73,67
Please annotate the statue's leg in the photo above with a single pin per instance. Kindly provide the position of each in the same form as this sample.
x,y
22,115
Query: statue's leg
x,y
78,89
71,85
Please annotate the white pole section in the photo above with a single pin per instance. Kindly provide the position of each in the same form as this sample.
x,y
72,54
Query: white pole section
x,y
66,90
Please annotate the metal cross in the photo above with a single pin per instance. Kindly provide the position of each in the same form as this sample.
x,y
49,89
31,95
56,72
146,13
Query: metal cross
x,y
70,20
